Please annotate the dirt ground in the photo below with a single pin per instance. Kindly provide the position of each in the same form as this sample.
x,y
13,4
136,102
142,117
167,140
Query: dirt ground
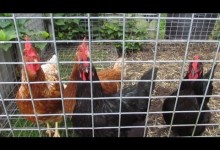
x,y
172,70
167,70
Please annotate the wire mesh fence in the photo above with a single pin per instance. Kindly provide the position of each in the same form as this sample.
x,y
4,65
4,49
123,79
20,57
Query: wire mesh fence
x,y
168,42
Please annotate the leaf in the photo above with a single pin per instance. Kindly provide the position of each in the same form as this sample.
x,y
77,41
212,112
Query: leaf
x,y
129,15
60,35
22,22
74,31
118,45
22,31
110,31
5,47
76,21
120,34
44,34
111,37
64,27
5,23
82,30
69,28
59,14
5,14
69,37
2,36
101,30
96,28
30,33
10,35
59,22
8,28
40,46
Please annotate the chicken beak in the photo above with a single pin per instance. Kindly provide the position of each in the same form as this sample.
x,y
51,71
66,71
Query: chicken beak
x,y
193,73
88,54
86,69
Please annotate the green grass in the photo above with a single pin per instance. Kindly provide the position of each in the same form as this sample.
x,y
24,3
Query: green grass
x,y
70,132
21,123
18,124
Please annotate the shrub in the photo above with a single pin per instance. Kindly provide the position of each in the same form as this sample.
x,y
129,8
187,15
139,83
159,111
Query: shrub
x,y
135,30
69,29
7,32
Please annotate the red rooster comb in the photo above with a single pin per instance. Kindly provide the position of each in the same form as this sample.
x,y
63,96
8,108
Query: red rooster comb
x,y
84,45
195,63
85,52
27,38
195,69
27,45
85,48
84,39
196,57
29,49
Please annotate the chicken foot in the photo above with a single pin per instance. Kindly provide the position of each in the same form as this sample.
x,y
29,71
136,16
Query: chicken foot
x,y
49,131
56,134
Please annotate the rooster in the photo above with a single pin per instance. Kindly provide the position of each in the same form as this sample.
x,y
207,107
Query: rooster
x,y
36,72
195,71
108,105
105,74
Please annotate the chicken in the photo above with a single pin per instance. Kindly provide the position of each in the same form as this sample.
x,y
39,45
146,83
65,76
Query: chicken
x,y
108,105
190,103
111,74
70,92
38,73
105,74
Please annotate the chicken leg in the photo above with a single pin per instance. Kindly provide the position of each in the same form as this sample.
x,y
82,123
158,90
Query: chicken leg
x,y
49,131
56,134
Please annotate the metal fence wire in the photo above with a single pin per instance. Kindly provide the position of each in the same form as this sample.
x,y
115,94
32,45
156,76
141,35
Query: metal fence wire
x,y
166,43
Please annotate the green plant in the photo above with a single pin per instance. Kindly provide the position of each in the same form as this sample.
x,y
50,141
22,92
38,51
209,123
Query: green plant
x,y
7,32
215,35
162,26
153,28
111,30
68,28
135,30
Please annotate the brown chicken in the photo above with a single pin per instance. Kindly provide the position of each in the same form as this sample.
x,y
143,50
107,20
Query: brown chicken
x,y
111,74
36,72
106,74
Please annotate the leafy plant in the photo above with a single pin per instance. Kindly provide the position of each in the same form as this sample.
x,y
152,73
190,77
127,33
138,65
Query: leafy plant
x,y
153,28
135,30
215,35
162,26
7,32
68,28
